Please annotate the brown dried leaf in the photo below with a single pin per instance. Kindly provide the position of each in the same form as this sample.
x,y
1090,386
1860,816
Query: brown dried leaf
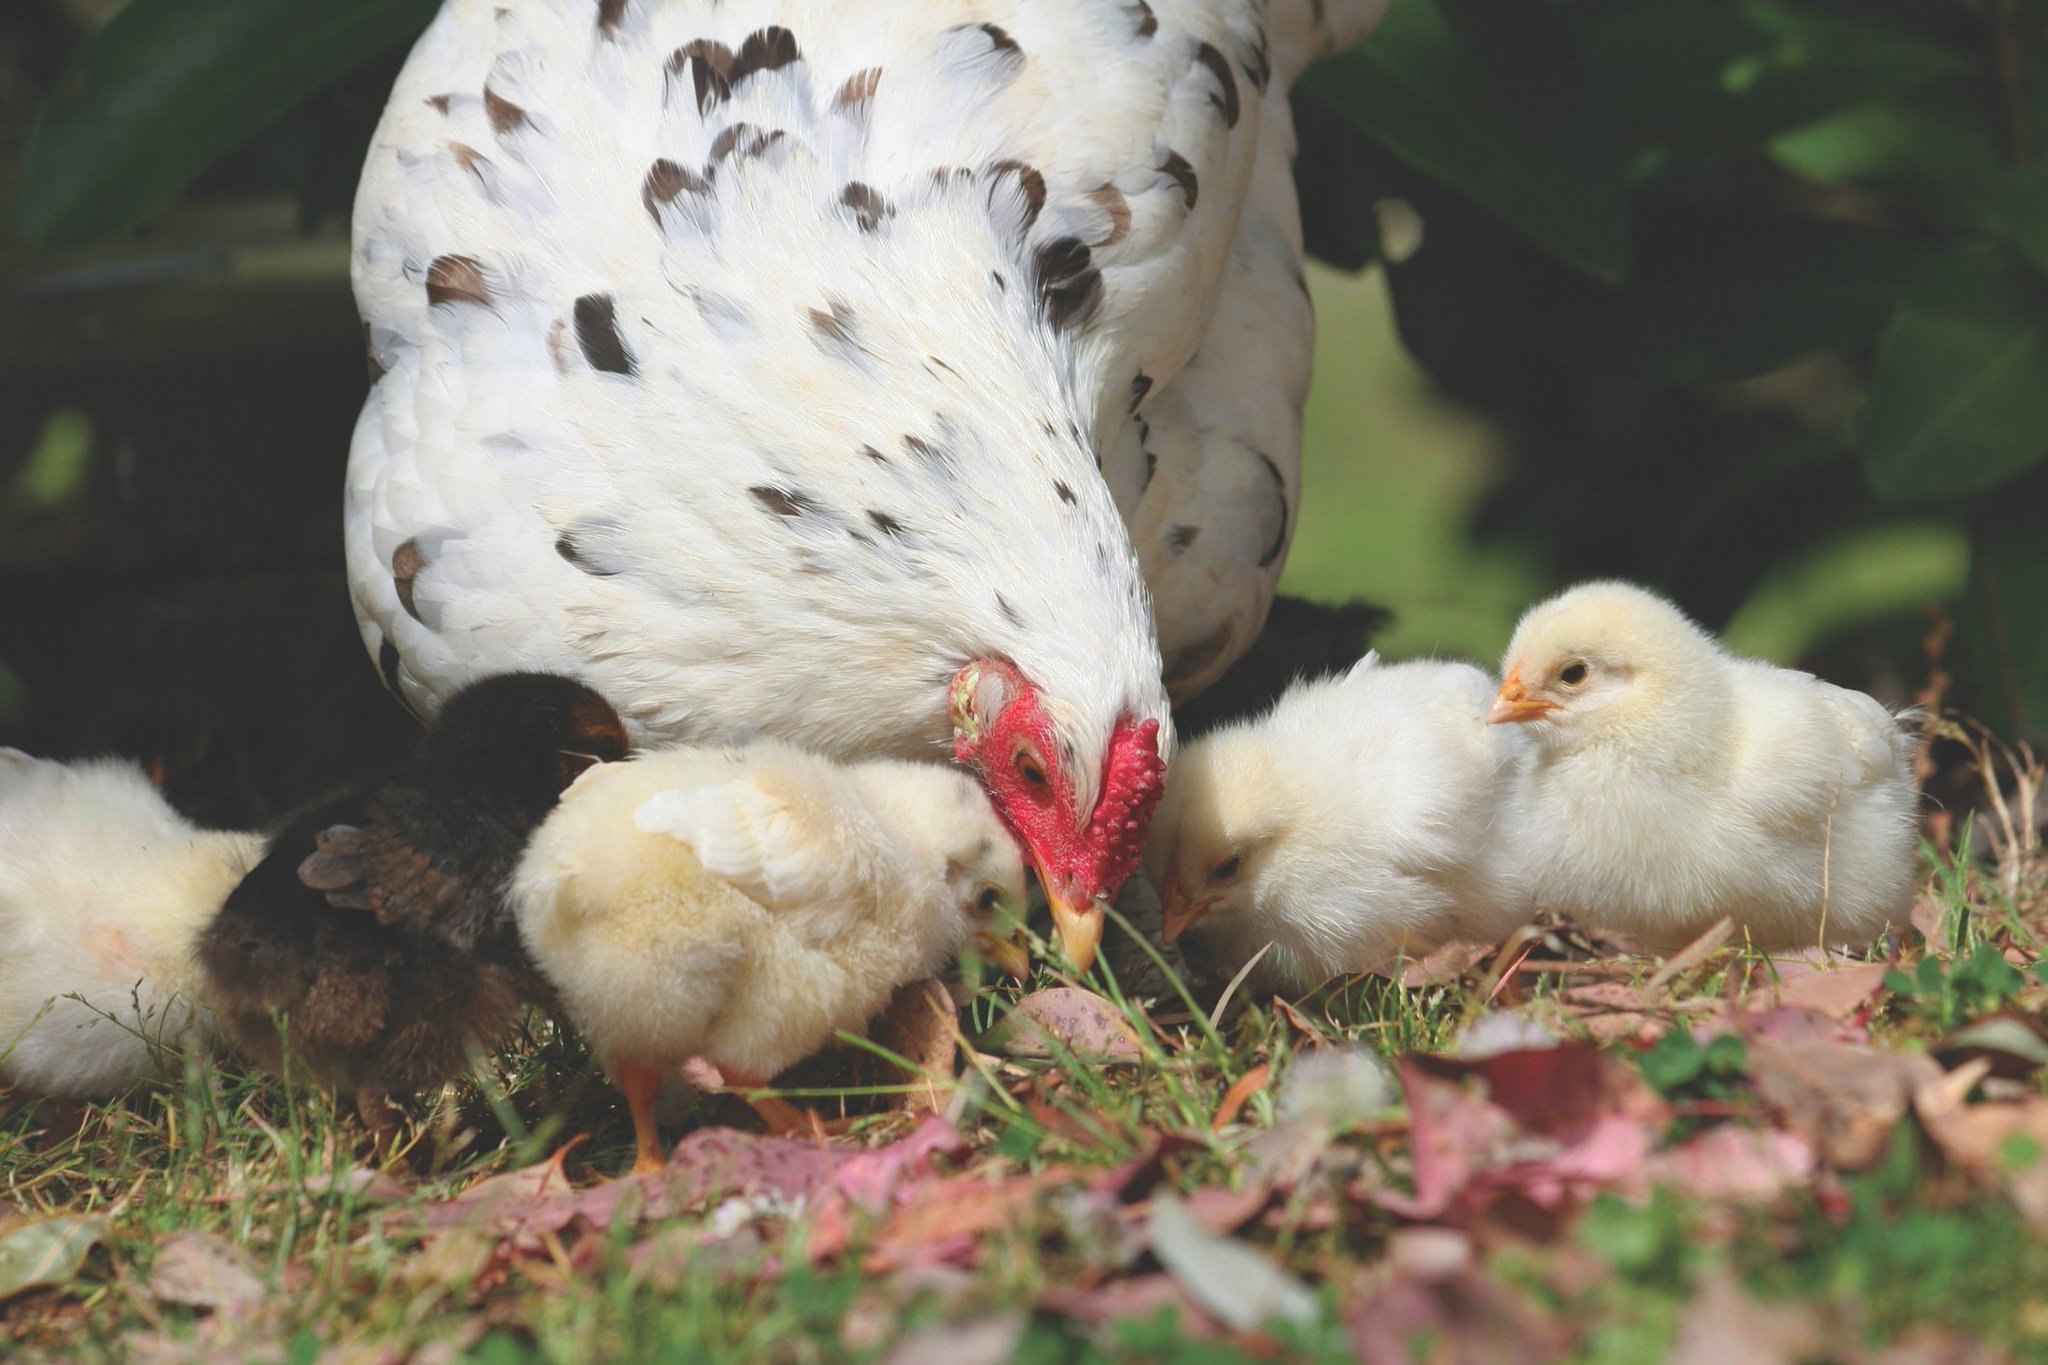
x,y
1136,1299
1549,1127
1836,991
983,1341
1238,1283
1080,1021
921,1026
1735,1165
202,1271
1437,1308
35,1252
361,1184
1991,1141
1724,1324
1843,1101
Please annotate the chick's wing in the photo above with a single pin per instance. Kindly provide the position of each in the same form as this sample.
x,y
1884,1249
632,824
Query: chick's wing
x,y
373,868
747,834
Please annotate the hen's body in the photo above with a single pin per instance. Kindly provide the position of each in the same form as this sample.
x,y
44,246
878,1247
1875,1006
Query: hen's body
x,y
719,342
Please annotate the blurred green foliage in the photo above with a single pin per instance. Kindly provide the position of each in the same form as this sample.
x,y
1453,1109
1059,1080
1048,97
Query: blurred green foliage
x,y
1733,279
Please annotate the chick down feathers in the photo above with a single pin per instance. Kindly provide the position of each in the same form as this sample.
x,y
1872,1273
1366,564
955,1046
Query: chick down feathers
x,y
103,889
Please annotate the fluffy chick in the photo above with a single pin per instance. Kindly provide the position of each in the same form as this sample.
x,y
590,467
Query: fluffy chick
x,y
1351,823
103,888
743,905
376,929
1673,783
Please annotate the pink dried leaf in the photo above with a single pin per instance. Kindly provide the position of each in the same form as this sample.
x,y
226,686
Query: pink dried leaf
x,y
1079,1021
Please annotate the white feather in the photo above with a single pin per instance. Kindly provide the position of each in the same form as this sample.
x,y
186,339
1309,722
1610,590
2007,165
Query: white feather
x,y
103,889
703,539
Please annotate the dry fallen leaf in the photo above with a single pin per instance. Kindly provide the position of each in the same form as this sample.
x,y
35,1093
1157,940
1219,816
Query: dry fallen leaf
x,y
982,1341
1136,1299
1836,991
361,1184
1725,1324
1549,1126
202,1271
1242,1286
45,1251
1843,1101
2006,1144
1080,1021
921,1026
1435,1307
1735,1165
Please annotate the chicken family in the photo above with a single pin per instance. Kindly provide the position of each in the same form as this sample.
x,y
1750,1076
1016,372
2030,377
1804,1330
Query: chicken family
x,y
743,905
766,406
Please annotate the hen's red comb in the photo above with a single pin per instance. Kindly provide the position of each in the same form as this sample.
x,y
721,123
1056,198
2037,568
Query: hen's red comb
x,y
1133,780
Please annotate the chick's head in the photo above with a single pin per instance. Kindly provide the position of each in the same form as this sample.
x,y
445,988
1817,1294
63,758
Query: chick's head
x,y
944,826
520,737
1603,661
1220,842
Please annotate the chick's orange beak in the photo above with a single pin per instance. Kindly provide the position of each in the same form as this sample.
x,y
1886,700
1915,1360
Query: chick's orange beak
x,y
1177,911
1514,705
1079,924
1006,955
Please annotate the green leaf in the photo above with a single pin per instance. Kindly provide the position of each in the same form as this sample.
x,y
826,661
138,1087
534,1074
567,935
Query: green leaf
x,y
1937,153
2002,619
1723,294
1697,77
1519,132
165,88
1959,392
1727,1055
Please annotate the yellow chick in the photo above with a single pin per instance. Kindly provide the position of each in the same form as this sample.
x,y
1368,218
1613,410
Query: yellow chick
x,y
1672,783
103,888
743,905
1353,822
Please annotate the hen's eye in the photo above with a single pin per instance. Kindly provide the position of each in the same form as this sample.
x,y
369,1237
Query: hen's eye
x,y
1030,769
1226,869
1574,673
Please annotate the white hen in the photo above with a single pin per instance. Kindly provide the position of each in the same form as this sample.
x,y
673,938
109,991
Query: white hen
x,y
743,905
1673,783
844,375
1353,822
103,888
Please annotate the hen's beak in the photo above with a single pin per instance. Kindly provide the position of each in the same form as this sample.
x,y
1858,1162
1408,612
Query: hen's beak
x,y
1514,705
1080,927
1177,912
1007,955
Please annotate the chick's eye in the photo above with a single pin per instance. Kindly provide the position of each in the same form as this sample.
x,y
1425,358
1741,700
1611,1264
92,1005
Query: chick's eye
x,y
1226,869
989,900
1573,673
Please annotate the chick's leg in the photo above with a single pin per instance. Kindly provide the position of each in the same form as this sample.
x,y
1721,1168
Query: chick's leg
x,y
383,1116
639,1083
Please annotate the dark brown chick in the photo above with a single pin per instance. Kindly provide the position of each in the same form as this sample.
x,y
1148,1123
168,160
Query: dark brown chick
x,y
373,946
